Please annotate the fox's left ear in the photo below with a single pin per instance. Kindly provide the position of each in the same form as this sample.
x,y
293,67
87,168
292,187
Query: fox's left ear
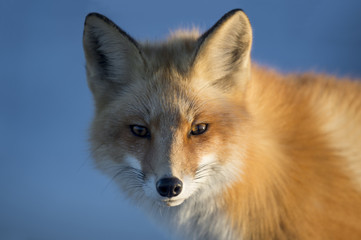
x,y
223,54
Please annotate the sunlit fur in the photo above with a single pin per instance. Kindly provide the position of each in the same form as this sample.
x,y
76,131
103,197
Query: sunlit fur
x,y
281,156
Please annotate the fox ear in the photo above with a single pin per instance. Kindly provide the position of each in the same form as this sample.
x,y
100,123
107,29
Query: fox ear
x,y
112,56
223,54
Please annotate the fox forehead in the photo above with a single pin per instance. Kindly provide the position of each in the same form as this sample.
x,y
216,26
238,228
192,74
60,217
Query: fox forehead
x,y
157,98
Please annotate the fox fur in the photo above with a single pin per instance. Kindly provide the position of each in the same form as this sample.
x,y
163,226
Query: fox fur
x,y
280,157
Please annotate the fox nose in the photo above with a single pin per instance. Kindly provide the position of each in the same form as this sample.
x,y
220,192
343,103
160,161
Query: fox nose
x,y
169,187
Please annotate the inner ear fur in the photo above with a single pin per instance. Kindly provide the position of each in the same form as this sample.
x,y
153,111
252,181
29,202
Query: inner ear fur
x,y
223,54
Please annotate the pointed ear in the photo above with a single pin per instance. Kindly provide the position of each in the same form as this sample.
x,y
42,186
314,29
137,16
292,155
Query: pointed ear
x,y
112,56
223,55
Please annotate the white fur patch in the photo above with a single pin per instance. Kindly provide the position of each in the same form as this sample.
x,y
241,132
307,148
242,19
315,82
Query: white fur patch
x,y
132,162
207,159
150,189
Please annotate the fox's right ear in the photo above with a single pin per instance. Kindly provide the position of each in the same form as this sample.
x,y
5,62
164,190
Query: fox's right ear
x,y
112,56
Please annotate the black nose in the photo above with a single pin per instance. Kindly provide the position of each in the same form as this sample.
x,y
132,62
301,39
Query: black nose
x,y
169,187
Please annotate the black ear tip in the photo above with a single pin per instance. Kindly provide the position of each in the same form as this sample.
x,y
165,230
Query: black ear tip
x,y
223,19
234,11
93,15
96,16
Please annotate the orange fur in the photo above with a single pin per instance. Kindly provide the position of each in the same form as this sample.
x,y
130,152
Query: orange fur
x,y
295,185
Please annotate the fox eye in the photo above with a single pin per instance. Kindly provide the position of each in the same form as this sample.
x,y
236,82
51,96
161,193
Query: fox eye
x,y
139,131
199,129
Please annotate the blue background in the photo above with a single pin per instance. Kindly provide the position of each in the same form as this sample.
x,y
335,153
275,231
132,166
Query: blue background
x,y
48,187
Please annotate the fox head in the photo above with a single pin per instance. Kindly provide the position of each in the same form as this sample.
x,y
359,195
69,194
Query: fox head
x,y
170,116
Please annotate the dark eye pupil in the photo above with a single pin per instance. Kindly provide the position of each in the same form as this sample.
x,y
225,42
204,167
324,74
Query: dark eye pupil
x,y
199,129
139,131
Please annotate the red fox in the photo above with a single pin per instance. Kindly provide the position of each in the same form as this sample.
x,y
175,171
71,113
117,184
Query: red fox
x,y
214,146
